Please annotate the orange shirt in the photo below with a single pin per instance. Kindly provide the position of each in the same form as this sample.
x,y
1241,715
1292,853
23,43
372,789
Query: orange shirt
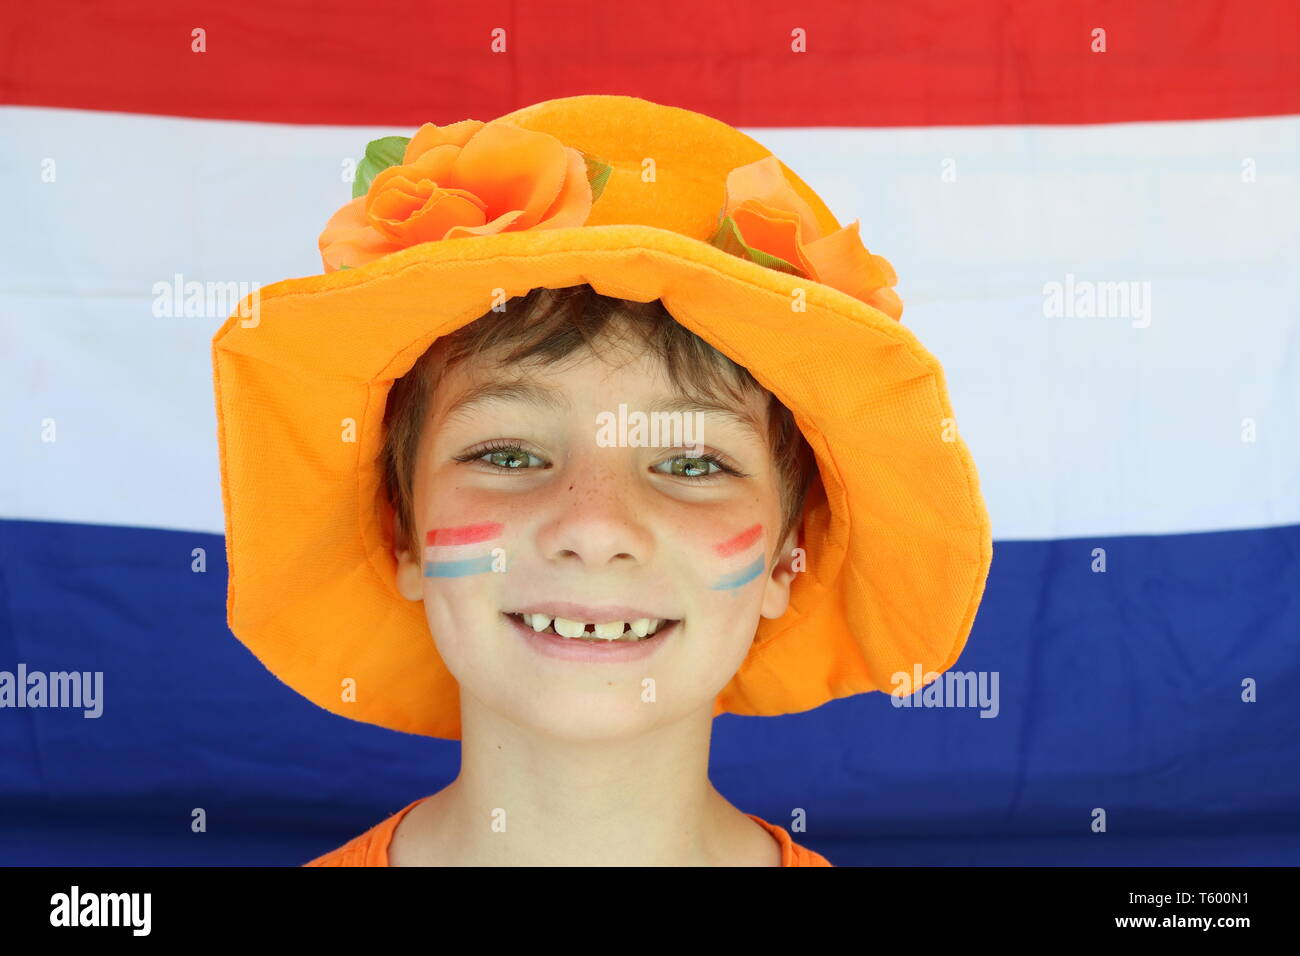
x,y
371,847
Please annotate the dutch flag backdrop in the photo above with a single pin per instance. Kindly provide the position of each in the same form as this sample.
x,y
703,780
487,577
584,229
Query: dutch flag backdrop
x,y
1092,208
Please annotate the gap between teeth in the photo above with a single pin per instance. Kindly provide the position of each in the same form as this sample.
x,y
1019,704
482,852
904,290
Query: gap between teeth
x,y
610,631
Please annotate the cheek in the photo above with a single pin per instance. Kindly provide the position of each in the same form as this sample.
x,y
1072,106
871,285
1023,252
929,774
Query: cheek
x,y
737,559
458,563
461,551
458,593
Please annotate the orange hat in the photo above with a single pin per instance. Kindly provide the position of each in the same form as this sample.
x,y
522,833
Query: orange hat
x,y
643,202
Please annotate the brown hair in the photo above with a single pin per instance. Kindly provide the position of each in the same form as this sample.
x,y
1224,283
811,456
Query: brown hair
x,y
550,324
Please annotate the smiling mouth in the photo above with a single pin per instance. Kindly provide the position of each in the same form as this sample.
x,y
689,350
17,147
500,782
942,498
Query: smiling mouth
x,y
629,633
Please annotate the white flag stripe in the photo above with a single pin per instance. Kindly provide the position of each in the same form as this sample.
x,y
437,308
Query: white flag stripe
x,y
1079,425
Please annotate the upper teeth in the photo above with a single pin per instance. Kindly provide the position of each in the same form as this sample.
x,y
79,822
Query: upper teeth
x,y
609,630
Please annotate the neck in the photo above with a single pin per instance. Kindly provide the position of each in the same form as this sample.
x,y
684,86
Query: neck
x,y
525,797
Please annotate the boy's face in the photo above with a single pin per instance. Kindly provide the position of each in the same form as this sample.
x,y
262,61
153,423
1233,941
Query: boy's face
x,y
545,509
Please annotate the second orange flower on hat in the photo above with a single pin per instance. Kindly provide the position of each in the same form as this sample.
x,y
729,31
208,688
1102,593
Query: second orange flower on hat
x,y
763,219
465,179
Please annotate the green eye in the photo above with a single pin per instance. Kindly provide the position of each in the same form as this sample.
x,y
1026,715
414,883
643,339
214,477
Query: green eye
x,y
692,470
501,456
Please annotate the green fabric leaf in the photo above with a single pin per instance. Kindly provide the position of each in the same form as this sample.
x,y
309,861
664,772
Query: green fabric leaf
x,y
728,239
380,154
597,174
341,268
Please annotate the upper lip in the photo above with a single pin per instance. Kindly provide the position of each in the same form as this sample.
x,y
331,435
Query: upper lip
x,y
590,615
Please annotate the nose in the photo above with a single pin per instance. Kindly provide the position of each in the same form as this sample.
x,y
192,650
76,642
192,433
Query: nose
x,y
600,516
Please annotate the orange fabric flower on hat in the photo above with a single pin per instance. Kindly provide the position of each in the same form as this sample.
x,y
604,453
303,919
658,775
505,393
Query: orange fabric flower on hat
x,y
765,220
466,179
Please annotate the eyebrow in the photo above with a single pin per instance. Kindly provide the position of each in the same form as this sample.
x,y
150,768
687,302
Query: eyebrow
x,y
552,398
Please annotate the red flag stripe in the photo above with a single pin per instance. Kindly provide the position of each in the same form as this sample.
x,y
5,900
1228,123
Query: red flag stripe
x,y
381,62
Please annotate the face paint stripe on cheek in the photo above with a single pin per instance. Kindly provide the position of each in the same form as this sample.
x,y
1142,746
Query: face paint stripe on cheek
x,y
464,534
451,552
743,576
741,546
741,542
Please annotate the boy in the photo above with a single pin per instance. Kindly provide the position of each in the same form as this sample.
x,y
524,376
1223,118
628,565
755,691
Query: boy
x,y
476,559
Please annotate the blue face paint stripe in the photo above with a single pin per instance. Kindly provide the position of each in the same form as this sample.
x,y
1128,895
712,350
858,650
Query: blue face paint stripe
x,y
457,569
743,576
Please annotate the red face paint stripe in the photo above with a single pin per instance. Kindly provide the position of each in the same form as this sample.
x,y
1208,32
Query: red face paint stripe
x,y
740,542
465,534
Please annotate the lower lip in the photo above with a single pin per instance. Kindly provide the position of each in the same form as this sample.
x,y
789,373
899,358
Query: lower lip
x,y
576,649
